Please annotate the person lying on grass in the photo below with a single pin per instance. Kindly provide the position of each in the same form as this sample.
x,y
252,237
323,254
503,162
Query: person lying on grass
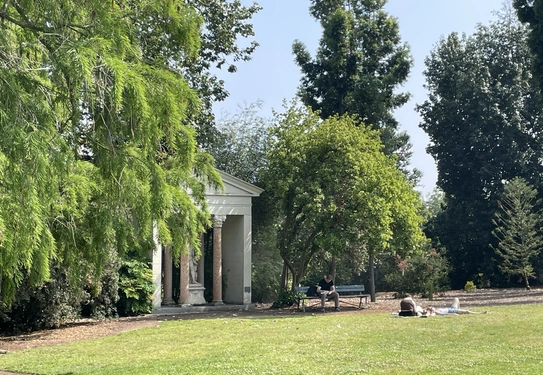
x,y
453,309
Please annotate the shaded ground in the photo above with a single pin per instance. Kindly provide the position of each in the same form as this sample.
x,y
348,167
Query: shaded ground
x,y
385,303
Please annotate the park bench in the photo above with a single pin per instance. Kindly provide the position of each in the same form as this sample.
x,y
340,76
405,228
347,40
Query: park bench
x,y
346,293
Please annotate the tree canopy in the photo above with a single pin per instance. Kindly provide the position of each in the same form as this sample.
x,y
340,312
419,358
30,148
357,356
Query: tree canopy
x,y
93,150
518,229
241,142
335,188
359,66
531,12
483,119
224,23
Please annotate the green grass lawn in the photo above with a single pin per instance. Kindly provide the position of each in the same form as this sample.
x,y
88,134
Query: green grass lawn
x,y
507,340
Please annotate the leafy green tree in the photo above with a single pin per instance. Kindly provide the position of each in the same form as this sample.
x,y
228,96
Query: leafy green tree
x,y
359,66
335,188
240,148
483,120
93,150
518,229
225,22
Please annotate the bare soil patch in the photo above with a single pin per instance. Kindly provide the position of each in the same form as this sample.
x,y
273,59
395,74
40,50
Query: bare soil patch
x,y
385,303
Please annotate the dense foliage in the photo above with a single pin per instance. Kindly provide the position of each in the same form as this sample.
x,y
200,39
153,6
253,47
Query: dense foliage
x,y
93,148
225,22
359,66
47,306
531,12
335,189
60,300
135,288
518,230
483,119
422,274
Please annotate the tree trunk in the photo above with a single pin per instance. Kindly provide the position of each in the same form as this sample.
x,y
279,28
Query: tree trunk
x,y
295,281
527,282
372,278
431,292
332,268
284,277
297,274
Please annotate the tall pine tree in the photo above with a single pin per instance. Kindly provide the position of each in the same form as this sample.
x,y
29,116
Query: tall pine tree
x,y
518,230
359,66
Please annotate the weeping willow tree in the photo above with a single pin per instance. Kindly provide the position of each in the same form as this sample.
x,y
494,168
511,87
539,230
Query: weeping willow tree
x,y
94,152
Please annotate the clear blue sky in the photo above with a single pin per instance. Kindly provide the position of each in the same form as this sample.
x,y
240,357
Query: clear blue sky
x,y
272,75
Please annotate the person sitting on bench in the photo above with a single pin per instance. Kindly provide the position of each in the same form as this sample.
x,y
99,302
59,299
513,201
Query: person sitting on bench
x,y
327,291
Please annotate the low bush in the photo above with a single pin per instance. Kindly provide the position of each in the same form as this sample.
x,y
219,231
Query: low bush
x,y
470,287
422,274
285,299
135,288
102,295
47,306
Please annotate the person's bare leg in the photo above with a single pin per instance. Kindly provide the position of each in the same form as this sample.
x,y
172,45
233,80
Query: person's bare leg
x,y
470,312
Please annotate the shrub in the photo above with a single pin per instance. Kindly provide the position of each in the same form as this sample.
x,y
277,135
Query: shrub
x,y
267,263
102,295
470,287
422,274
135,288
47,306
285,299
265,280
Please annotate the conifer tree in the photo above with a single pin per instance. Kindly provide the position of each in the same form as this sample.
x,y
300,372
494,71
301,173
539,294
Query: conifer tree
x,y
483,119
359,66
518,229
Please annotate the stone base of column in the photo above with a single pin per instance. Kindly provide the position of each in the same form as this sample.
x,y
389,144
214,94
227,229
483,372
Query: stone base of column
x,y
185,305
168,302
217,303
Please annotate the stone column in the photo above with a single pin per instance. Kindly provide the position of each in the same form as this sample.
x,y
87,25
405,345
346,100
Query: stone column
x,y
167,269
217,259
201,261
184,280
156,256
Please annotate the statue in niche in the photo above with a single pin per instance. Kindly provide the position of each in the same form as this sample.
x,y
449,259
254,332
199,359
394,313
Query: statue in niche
x,y
193,268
